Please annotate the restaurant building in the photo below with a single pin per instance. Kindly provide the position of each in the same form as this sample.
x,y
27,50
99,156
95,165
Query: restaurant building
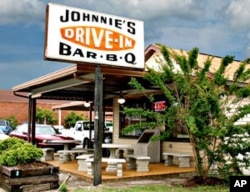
x,y
77,83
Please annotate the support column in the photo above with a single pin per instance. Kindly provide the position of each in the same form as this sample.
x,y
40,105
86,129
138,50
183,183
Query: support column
x,y
33,121
98,117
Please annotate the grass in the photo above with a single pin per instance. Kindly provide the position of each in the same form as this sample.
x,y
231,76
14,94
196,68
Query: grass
x,y
157,188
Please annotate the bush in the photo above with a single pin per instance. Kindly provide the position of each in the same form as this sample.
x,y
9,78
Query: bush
x,y
10,143
237,156
14,151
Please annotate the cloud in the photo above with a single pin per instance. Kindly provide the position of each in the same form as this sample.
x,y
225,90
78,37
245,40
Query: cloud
x,y
26,11
238,14
216,27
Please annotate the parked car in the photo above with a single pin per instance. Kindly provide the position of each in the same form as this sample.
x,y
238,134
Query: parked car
x,y
3,135
59,127
81,131
44,134
5,126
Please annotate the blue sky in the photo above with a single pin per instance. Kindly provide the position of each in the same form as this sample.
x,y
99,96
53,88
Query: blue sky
x,y
216,27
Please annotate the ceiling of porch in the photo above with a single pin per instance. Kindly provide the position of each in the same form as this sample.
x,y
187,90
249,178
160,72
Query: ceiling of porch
x,y
77,83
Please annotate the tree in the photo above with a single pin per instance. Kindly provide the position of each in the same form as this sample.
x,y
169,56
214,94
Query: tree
x,y
13,121
198,102
45,116
72,118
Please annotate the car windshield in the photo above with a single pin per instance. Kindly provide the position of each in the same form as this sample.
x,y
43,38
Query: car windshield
x,y
45,130
86,125
40,129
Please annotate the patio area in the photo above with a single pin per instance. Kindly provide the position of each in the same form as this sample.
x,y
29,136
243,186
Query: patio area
x,y
156,171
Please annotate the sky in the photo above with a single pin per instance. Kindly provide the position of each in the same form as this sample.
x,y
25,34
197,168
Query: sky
x,y
217,28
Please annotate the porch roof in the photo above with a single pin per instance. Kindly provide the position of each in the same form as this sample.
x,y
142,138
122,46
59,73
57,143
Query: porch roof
x,y
77,82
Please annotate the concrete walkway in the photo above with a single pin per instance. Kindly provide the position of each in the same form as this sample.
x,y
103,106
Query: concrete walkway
x,y
75,182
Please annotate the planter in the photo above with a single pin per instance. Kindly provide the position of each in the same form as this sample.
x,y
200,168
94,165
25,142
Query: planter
x,y
35,176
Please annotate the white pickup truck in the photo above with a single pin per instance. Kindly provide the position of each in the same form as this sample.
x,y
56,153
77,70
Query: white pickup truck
x,y
84,131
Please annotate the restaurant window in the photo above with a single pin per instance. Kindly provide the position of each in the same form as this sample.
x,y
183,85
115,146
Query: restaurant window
x,y
179,133
126,120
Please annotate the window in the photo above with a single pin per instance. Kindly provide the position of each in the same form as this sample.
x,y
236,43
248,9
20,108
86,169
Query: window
x,y
179,133
126,120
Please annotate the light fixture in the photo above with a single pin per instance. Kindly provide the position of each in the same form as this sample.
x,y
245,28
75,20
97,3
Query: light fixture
x,y
121,100
86,104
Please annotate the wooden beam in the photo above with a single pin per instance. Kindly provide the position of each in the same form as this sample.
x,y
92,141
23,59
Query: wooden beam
x,y
88,68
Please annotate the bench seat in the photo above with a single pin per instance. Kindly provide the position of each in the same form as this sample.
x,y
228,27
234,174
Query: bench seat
x,y
183,159
73,151
68,155
115,162
48,154
82,161
140,163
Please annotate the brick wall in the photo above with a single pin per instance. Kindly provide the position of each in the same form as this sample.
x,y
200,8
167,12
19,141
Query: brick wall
x,y
19,109
12,105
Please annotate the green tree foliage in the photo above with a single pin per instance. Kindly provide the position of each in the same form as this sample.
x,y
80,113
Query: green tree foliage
x,y
14,151
72,118
45,116
13,121
199,103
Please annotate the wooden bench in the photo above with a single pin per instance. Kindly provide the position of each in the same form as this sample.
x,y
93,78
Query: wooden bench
x,y
48,154
117,162
140,163
82,161
183,159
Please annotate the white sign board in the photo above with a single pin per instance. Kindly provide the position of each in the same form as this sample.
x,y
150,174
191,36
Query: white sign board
x,y
78,35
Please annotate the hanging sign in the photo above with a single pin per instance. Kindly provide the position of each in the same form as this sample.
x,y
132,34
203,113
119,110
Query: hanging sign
x,y
78,35
159,106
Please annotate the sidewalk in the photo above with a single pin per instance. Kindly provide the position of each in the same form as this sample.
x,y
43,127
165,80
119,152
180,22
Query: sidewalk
x,y
75,182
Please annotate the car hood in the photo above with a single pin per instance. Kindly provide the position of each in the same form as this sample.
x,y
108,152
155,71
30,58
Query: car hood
x,y
53,137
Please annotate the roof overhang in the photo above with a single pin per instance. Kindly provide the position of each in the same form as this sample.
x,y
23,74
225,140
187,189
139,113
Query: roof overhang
x,y
77,83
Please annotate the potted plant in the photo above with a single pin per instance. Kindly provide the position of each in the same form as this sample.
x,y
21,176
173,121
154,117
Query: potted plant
x,y
21,168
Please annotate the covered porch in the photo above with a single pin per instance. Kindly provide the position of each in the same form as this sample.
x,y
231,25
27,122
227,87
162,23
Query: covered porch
x,y
156,171
77,83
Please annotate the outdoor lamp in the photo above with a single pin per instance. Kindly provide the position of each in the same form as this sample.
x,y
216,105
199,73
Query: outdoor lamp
x,y
86,104
121,100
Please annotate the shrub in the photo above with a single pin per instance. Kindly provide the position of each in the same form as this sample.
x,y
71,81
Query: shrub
x,y
237,155
14,151
10,143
